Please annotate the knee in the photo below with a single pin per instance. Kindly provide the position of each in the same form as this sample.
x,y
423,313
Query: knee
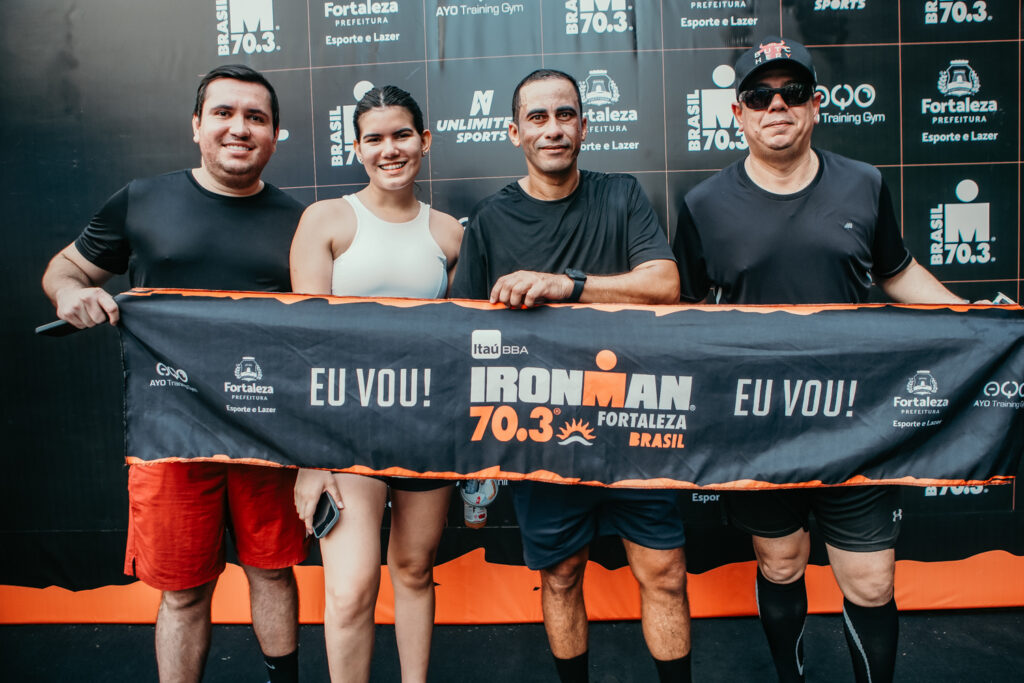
x,y
347,602
667,575
870,591
411,574
782,568
564,577
190,599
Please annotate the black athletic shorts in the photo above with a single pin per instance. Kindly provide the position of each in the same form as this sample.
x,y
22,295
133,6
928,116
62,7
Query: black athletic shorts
x,y
854,518
415,483
557,520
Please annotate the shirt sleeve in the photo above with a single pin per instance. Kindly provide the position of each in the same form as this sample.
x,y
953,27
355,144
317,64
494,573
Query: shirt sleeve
x,y
888,253
104,242
471,281
694,282
647,239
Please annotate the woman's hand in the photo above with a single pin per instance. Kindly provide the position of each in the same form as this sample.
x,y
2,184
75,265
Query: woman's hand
x,y
309,484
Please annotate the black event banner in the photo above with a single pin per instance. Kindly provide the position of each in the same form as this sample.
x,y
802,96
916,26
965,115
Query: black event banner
x,y
640,396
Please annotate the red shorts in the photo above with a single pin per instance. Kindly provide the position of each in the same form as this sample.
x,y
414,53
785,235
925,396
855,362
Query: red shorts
x,y
178,513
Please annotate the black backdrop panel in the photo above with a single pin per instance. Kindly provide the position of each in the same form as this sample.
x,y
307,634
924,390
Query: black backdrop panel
x,y
97,92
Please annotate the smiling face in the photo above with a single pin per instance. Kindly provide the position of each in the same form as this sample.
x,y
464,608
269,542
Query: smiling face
x,y
549,127
236,135
390,147
780,130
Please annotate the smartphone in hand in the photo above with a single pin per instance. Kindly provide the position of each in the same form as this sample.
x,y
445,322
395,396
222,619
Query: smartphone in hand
x,y
326,516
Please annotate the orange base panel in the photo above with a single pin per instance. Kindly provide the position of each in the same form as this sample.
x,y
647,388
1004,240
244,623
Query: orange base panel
x,y
471,591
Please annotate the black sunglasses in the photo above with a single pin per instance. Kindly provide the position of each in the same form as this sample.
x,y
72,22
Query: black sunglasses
x,y
792,94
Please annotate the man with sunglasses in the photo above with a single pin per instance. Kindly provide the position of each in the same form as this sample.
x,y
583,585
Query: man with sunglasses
x,y
790,224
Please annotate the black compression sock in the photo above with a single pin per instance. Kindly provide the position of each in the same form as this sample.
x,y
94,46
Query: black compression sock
x,y
872,633
284,669
574,669
673,670
783,611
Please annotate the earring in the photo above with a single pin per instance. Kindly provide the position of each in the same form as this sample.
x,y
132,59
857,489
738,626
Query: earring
x,y
359,159
424,152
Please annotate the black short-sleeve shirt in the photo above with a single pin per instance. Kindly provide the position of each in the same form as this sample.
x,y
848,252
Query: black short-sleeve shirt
x,y
606,226
819,245
168,231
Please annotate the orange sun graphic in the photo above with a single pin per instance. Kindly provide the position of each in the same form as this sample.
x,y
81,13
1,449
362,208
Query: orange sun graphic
x,y
576,427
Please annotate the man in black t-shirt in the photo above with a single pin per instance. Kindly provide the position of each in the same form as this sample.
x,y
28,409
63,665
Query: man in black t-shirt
x,y
562,234
790,224
218,226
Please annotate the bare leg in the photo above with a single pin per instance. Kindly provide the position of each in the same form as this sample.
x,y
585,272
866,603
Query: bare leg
x,y
664,607
183,633
274,600
351,554
561,599
417,520
866,579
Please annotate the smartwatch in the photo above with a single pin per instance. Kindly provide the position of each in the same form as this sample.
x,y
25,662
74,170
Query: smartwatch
x,y
579,279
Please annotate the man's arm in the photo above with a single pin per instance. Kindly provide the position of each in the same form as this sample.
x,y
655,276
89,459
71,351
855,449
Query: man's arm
x,y
74,286
915,285
651,282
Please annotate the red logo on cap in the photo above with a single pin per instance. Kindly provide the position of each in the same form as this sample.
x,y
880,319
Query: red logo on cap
x,y
769,51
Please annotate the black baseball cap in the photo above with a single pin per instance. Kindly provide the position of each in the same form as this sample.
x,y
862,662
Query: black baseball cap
x,y
772,51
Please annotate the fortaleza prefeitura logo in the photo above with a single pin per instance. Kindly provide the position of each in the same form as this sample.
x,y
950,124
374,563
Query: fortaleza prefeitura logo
x,y
921,405
247,387
958,84
575,406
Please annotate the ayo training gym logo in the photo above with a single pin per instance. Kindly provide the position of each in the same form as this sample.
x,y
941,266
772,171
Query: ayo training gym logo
x,y
479,126
245,27
598,16
958,83
853,103
531,403
961,231
920,407
341,131
958,12
247,387
168,376
1002,393
710,123
598,93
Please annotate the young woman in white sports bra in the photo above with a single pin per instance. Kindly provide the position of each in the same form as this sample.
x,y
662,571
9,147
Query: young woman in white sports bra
x,y
380,241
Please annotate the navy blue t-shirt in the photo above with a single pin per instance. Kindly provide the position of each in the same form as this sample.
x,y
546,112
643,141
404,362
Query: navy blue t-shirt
x,y
817,246
168,231
606,226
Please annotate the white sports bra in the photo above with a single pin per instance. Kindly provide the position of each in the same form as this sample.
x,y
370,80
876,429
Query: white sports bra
x,y
391,259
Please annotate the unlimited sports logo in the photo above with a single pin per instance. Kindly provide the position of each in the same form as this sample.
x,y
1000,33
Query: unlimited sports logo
x,y
479,126
710,123
245,27
961,231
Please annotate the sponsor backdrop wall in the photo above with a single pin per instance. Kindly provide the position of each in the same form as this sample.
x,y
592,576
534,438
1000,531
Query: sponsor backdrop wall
x,y
96,93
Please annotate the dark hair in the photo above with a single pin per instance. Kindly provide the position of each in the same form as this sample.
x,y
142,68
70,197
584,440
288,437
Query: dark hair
x,y
388,96
237,72
543,75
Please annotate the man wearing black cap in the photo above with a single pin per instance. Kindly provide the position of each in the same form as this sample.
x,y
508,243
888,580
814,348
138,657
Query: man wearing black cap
x,y
790,224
